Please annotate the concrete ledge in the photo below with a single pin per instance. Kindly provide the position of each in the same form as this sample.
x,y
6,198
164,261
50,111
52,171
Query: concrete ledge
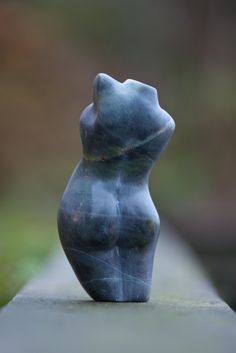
x,y
54,314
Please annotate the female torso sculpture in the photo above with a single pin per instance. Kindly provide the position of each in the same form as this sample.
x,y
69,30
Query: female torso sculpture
x,y
107,222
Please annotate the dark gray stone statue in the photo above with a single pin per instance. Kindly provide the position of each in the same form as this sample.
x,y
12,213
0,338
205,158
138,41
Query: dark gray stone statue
x,y
107,222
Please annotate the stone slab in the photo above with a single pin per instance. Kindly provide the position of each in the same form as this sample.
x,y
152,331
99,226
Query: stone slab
x,y
54,314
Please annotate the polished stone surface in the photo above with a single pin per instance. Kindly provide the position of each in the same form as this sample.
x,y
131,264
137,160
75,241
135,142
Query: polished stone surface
x,y
107,222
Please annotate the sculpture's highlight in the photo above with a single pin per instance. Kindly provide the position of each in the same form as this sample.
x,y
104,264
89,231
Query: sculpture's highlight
x,y
107,222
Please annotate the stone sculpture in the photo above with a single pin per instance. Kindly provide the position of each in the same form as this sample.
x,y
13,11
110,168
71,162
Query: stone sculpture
x,y
107,222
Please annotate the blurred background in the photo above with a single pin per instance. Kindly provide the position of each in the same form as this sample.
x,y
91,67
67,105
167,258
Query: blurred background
x,y
50,52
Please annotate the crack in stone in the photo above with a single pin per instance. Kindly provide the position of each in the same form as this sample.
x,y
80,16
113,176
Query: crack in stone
x,y
106,263
129,148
